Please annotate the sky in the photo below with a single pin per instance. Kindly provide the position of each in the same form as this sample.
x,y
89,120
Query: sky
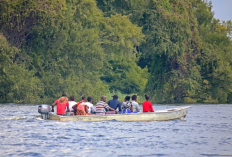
x,y
222,9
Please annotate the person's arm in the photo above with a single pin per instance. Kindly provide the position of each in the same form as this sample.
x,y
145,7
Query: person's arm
x,y
137,107
151,108
92,109
113,110
53,106
68,107
108,107
75,107
86,109
122,105
131,108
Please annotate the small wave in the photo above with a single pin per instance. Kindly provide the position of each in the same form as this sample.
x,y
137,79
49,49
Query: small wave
x,y
217,154
63,137
13,118
38,118
30,154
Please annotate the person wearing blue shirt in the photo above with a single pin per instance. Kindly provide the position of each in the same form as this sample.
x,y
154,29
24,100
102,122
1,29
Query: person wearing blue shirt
x,y
115,104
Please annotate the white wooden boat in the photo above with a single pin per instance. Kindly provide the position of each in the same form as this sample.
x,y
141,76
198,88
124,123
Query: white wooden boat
x,y
159,115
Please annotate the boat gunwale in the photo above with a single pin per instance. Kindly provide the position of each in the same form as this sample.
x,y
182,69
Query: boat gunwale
x,y
129,114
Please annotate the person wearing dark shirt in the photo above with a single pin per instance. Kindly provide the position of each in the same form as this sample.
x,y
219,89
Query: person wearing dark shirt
x,y
102,107
147,105
115,104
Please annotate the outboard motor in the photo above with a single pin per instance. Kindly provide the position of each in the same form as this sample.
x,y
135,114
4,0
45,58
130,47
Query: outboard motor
x,y
44,111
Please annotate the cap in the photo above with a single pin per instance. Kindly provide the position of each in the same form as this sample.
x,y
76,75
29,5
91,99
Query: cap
x,y
115,96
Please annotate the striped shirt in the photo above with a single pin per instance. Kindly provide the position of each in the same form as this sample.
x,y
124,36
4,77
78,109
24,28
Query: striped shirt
x,y
101,108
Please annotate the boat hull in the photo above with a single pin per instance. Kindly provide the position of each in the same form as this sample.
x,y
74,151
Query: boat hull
x,y
161,115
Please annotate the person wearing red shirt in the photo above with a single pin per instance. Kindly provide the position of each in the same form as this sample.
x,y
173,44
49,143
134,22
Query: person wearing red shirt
x,y
61,103
147,105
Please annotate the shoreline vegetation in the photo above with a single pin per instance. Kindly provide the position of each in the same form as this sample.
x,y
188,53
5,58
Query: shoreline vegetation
x,y
121,96
175,51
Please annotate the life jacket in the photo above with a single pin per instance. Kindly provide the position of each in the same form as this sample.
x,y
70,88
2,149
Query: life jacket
x,y
81,109
81,106
80,102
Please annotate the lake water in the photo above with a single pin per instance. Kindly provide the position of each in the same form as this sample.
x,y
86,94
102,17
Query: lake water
x,y
206,131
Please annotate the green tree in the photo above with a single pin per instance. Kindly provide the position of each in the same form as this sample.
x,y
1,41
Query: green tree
x,y
64,47
16,83
215,58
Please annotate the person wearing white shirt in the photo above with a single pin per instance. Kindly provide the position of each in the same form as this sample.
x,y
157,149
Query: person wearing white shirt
x,y
90,105
135,104
71,103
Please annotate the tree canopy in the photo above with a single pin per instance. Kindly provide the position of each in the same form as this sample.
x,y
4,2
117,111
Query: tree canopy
x,y
175,50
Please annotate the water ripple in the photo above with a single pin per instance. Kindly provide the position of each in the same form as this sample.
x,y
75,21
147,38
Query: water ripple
x,y
206,131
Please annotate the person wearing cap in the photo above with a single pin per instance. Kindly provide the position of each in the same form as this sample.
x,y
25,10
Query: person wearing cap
x,y
62,104
115,104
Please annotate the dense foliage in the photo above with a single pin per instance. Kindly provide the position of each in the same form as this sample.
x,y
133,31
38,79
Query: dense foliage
x,y
173,49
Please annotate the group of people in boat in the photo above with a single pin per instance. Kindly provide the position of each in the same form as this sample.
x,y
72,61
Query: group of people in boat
x,y
69,107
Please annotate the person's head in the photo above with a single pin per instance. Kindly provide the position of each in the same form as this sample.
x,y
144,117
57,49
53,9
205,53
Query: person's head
x,y
134,97
127,98
147,97
103,98
83,98
115,96
64,94
63,100
71,98
89,99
